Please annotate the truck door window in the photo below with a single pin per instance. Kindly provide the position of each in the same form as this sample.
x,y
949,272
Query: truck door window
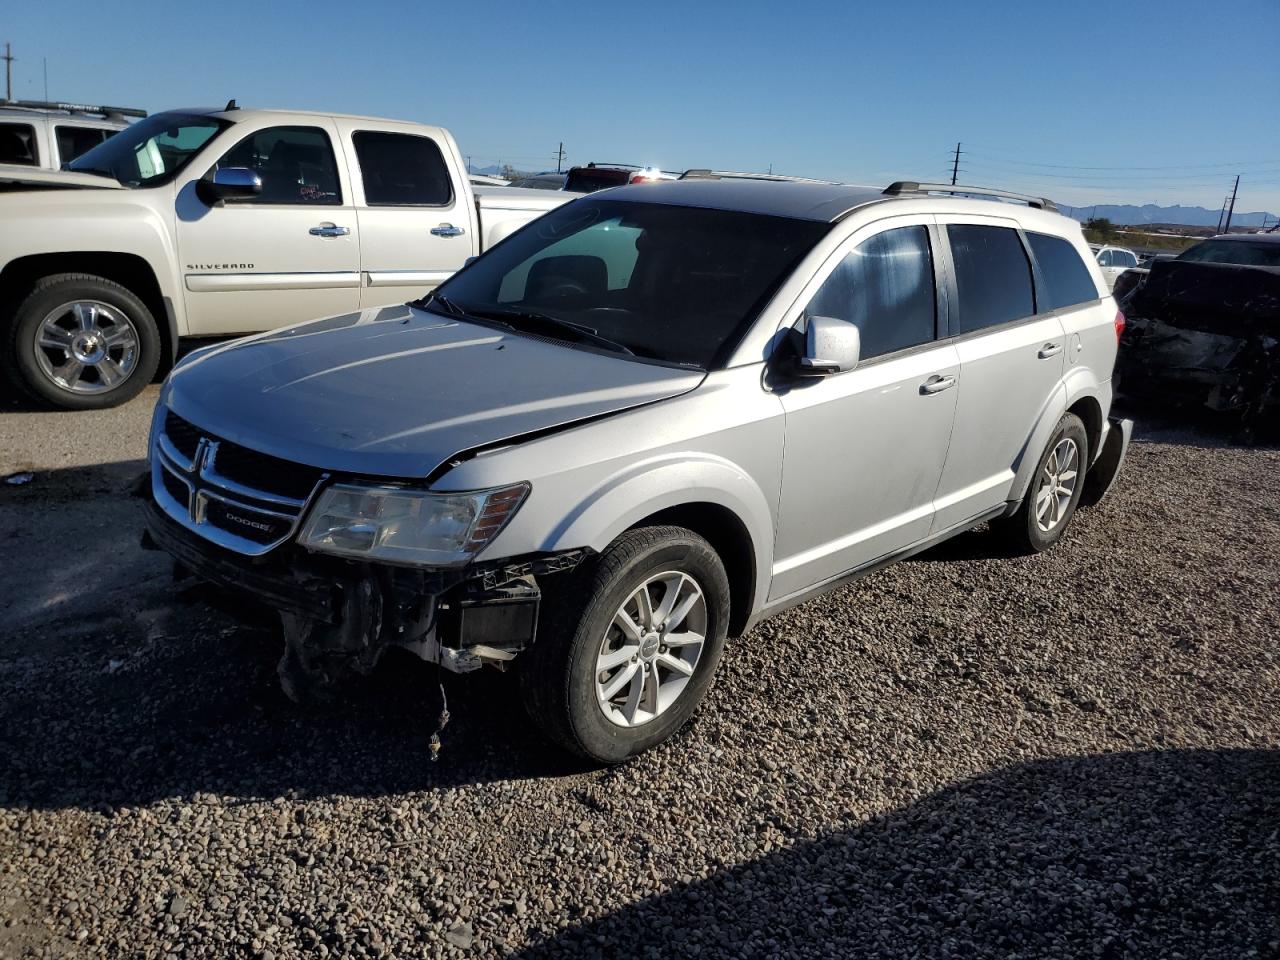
x,y
18,144
400,169
296,165
74,141
993,276
885,288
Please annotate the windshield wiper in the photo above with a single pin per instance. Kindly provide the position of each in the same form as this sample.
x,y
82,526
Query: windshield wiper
x,y
529,321
445,304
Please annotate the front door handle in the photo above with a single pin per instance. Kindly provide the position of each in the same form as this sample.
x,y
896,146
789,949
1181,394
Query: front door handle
x,y
447,230
1049,350
329,230
937,384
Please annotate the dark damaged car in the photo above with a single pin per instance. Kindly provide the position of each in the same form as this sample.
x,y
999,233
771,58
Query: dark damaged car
x,y
1204,329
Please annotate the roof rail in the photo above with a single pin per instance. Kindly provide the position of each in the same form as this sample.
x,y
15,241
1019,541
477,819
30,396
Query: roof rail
x,y
910,186
697,174
74,108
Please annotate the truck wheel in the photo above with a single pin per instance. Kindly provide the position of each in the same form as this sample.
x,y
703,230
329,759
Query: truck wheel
x,y
628,645
82,342
1051,500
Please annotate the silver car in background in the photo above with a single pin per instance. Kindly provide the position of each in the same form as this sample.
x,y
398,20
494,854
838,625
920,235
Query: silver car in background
x,y
643,423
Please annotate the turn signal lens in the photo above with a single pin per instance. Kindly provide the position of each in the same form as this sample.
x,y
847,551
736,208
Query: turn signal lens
x,y
1119,324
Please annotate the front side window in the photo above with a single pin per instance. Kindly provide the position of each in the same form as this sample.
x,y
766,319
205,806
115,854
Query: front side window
x,y
1065,275
402,170
296,165
152,151
676,284
18,144
73,141
1105,259
885,288
993,276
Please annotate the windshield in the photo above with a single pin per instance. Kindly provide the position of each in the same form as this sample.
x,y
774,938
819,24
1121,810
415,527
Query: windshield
x,y
676,284
1241,252
151,151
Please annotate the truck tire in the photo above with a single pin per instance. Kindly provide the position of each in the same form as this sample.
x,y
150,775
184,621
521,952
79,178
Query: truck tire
x,y
628,644
82,342
1051,500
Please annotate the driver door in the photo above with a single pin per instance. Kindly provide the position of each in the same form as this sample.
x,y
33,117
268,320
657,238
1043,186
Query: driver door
x,y
865,449
288,255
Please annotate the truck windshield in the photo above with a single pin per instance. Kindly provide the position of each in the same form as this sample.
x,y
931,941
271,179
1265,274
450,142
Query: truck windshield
x,y
675,284
1243,253
152,151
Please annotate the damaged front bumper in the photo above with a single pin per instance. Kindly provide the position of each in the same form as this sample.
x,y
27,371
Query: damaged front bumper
x,y
340,615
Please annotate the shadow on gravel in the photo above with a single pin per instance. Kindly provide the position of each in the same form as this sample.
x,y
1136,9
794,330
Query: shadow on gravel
x,y
1156,854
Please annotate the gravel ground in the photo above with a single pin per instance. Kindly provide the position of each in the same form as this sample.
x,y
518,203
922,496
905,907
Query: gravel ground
x,y
963,755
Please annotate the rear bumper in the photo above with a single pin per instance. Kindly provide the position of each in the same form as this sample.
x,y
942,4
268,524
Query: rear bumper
x,y
1106,467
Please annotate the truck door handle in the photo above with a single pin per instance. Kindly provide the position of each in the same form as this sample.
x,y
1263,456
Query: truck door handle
x,y
447,230
937,384
329,230
1049,350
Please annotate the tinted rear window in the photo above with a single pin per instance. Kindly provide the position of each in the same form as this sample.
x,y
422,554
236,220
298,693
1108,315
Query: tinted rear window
x,y
1242,252
1065,274
992,274
591,179
74,141
18,144
401,169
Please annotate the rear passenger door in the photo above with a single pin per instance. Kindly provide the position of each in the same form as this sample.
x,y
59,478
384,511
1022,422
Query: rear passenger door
x,y
864,449
416,226
1011,365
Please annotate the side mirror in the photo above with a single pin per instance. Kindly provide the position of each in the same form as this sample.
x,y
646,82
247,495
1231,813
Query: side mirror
x,y
229,183
830,346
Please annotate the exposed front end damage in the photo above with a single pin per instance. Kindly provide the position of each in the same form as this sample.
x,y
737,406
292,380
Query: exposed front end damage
x,y
1206,334
339,616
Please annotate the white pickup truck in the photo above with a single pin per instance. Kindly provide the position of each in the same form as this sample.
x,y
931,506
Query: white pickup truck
x,y
197,223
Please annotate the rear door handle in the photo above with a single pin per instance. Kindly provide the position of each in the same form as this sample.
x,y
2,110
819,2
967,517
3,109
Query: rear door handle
x,y
447,230
1049,350
329,230
937,384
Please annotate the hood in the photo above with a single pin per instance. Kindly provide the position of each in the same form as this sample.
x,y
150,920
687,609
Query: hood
x,y
397,392
15,176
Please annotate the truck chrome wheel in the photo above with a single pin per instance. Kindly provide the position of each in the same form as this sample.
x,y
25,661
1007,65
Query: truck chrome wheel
x,y
651,648
1057,484
86,346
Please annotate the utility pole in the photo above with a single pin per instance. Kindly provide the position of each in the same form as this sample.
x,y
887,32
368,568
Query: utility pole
x,y
468,163
955,166
1231,209
8,59
1222,212
560,156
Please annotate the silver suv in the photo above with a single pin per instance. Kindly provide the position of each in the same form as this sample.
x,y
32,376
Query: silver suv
x,y
638,426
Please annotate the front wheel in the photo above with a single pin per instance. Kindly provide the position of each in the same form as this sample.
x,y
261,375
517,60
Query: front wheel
x,y
629,645
1051,500
83,342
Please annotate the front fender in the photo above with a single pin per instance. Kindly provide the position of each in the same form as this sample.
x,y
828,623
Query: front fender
x,y
651,486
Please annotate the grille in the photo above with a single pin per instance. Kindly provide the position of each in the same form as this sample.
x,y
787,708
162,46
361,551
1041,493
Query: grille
x,y
237,497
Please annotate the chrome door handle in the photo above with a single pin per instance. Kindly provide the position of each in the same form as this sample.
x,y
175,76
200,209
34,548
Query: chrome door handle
x,y
1049,350
937,384
447,230
329,230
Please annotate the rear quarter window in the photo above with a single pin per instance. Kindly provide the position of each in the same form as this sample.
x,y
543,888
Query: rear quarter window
x,y
1066,277
993,276
18,144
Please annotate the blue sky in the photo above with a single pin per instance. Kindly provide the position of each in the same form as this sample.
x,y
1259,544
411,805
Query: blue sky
x,y
1173,98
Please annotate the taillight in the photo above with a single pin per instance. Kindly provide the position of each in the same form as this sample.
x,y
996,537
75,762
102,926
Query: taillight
x,y
1119,324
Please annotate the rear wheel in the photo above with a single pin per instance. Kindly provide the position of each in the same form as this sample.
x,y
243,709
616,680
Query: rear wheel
x,y
629,646
1051,500
82,342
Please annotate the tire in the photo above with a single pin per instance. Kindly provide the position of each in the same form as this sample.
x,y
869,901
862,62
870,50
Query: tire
x,y
1024,531
561,682
89,312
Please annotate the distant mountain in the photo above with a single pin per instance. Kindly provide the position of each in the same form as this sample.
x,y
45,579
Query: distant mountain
x,y
1127,214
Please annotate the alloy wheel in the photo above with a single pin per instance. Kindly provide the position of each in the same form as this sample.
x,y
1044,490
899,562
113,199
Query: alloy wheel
x,y
86,346
1057,484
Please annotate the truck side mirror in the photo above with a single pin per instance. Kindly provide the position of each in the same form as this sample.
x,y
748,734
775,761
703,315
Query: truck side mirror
x,y
229,183
831,346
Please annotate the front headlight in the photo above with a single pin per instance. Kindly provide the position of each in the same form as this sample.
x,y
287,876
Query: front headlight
x,y
402,525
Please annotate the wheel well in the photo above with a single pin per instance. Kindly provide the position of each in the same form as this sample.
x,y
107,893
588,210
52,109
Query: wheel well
x,y
728,536
126,269
1090,413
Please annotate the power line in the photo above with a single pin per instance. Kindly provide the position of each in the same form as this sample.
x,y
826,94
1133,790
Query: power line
x,y
1174,166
